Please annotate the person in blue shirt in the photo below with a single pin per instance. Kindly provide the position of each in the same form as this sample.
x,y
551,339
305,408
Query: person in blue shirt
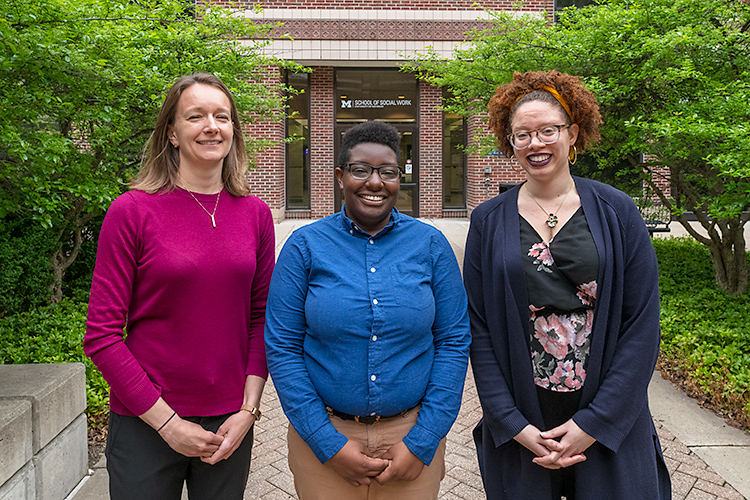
x,y
367,337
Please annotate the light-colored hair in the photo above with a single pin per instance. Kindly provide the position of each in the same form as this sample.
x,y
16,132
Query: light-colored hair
x,y
161,160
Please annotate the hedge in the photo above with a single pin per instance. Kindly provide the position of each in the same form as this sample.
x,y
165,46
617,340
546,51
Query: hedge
x,y
705,332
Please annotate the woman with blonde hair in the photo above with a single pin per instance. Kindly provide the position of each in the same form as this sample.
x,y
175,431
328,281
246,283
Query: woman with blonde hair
x,y
183,266
562,283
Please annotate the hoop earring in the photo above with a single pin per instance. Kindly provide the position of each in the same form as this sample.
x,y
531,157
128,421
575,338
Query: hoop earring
x,y
519,169
573,155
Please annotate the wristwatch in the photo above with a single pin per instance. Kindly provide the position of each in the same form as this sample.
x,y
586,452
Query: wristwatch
x,y
253,411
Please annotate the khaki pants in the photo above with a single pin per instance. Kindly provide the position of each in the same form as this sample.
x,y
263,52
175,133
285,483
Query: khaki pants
x,y
316,481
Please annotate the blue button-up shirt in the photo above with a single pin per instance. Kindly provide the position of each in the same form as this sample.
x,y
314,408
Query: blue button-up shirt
x,y
369,325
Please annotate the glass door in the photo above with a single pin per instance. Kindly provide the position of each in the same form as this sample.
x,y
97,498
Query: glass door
x,y
408,197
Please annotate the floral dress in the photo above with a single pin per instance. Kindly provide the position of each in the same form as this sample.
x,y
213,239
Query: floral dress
x,y
561,285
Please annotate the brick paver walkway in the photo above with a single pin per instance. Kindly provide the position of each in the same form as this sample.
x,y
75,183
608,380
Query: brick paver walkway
x,y
270,478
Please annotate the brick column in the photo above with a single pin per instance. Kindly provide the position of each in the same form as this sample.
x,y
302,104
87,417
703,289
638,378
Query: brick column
x,y
430,149
268,176
662,178
480,186
322,161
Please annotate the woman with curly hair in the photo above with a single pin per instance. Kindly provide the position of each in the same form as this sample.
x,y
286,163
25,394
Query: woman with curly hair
x,y
564,305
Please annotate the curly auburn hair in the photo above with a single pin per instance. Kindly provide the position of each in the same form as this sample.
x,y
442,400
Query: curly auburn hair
x,y
525,87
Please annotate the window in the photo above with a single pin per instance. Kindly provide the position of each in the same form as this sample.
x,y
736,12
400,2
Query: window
x,y
454,161
561,4
564,4
298,149
375,94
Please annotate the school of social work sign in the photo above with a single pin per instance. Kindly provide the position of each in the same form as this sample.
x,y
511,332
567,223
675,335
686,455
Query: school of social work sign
x,y
373,103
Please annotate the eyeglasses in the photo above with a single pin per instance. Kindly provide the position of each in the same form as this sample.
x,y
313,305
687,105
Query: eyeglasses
x,y
362,171
548,134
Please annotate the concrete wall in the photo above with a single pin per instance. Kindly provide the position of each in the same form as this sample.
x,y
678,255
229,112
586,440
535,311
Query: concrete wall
x,y
43,445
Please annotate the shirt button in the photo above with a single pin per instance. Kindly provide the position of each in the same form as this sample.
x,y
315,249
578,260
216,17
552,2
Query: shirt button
x,y
373,377
372,269
375,301
372,242
351,231
374,338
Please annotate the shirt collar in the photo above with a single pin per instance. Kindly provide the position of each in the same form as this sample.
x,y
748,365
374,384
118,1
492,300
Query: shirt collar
x,y
349,224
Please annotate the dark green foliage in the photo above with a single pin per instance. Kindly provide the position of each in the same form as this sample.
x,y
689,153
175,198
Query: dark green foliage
x,y
53,334
25,270
619,175
705,332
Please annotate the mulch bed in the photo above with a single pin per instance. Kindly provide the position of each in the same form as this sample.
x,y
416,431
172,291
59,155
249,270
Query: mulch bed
x,y
678,379
97,430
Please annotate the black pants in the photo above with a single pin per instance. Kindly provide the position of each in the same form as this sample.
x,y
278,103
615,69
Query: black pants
x,y
557,408
142,466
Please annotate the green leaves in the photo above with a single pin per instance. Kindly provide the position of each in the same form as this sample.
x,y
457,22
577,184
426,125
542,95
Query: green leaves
x,y
672,78
81,82
53,334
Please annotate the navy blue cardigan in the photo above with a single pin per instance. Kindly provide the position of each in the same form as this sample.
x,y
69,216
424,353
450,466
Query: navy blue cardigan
x,y
626,460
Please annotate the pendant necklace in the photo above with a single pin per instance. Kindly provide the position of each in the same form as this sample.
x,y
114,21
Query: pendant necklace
x,y
216,205
552,219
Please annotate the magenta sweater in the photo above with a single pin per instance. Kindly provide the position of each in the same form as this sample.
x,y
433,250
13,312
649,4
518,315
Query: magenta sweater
x,y
191,297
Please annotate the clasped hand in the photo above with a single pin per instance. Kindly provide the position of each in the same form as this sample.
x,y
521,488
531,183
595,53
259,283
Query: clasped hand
x,y
560,447
192,440
357,467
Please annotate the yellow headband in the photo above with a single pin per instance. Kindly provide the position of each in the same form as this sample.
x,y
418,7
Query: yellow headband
x,y
556,95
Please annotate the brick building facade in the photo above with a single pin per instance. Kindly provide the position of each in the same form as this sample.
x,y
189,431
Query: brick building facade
x,y
354,48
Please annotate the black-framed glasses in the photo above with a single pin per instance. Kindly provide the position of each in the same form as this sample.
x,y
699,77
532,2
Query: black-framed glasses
x,y
362,171
549,134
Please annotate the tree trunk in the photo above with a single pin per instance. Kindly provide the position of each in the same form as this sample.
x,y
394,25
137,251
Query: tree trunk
x,y
729,258
61,260
68,246
724,237
726,245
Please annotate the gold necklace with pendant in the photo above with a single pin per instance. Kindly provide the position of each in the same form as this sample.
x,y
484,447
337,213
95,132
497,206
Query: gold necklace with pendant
x,y
552,219
210,214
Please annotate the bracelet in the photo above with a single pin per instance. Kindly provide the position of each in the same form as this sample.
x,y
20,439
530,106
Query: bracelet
x,y
165,423
252,410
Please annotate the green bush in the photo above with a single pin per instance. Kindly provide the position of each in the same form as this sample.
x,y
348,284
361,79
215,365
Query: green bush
x,y
705,333
53,334
25,269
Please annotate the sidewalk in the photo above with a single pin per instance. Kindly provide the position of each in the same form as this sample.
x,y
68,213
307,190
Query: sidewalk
x,y
707,459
